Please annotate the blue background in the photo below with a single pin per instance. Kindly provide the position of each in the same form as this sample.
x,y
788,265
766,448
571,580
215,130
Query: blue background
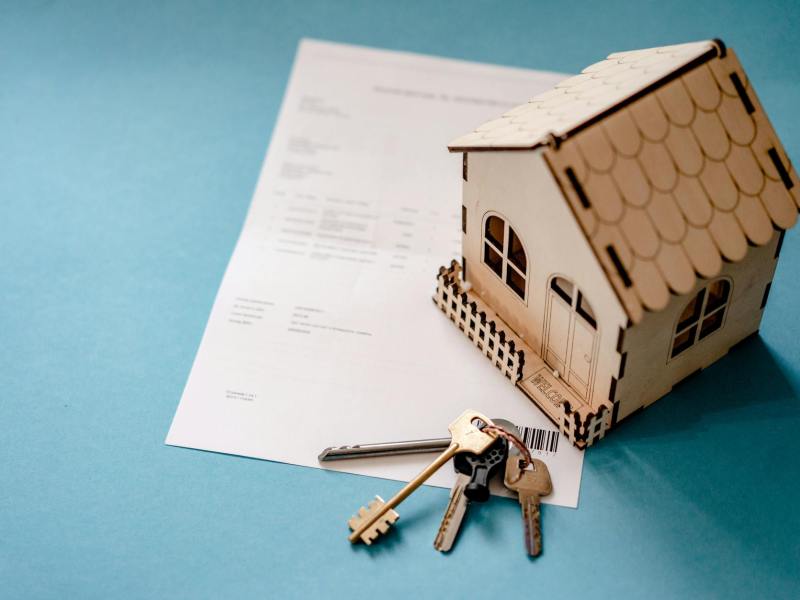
x,y
131,136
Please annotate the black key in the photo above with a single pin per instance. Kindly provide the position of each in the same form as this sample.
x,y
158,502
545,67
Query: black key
x,y
481,468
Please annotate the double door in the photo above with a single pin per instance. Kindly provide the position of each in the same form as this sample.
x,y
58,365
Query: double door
x,y
570,335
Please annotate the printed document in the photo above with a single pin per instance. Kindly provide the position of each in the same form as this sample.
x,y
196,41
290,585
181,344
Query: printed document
x,y
324,332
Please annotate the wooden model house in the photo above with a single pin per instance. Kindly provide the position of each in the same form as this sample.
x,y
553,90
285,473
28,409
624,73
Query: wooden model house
x,y
620,231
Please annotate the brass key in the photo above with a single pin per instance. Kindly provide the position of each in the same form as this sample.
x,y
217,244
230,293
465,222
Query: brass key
x,y
465,436
530,485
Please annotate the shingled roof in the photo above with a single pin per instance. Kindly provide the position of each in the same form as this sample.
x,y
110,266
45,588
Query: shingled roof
x,y
577,100
667,160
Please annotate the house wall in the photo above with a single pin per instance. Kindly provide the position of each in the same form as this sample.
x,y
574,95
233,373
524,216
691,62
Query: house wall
x,y
650,372
519,187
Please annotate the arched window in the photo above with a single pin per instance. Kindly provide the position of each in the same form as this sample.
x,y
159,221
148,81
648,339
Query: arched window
x,y
574,298
503,253
704,314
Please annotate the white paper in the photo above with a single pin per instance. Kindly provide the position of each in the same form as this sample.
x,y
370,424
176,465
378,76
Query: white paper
x,y
323,332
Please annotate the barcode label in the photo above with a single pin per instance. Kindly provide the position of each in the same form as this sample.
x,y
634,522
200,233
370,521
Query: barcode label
x,y
544,440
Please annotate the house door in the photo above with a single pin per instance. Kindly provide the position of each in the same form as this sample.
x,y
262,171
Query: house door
x,y
571,335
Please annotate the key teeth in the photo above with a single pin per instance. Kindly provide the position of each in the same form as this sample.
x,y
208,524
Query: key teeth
x,y
367,539
353,522
357,518
379,528
383,527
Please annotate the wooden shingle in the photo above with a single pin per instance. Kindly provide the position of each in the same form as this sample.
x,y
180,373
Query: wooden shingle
x,y
667,160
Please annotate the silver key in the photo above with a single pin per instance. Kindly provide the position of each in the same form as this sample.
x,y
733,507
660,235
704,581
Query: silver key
x,y
396,448
457,507
384,449
453,515
530,485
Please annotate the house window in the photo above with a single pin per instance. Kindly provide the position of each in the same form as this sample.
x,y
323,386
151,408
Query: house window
x,y
503,253
574,298
702,316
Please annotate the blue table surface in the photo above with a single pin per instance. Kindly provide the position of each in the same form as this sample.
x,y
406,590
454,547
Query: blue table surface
x,y
131,136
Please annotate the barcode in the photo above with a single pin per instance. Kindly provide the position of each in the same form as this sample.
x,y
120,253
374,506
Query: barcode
x,y
544,440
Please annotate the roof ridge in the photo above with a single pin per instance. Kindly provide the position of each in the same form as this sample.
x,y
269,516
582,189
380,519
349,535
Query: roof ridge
x,y
716,51
577,102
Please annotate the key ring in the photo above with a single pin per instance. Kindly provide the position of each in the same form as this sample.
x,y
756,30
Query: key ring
x,y
527,459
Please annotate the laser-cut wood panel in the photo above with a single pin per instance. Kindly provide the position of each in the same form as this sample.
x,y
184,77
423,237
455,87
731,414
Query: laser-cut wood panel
x,y
706,159
672,176
676,131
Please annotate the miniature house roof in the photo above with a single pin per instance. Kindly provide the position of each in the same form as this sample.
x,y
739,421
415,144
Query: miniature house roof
x,y
667,160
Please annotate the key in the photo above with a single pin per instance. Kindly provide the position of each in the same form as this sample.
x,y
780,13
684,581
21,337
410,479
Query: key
x,y
481,468
395,448
384,449
530,486
473,472
376,519
453,515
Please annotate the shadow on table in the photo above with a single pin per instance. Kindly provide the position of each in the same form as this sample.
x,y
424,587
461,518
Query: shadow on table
x,y
748,385
714,462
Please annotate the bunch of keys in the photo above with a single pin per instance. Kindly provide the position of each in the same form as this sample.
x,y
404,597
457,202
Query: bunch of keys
x,y
473,472
475,462
378,516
